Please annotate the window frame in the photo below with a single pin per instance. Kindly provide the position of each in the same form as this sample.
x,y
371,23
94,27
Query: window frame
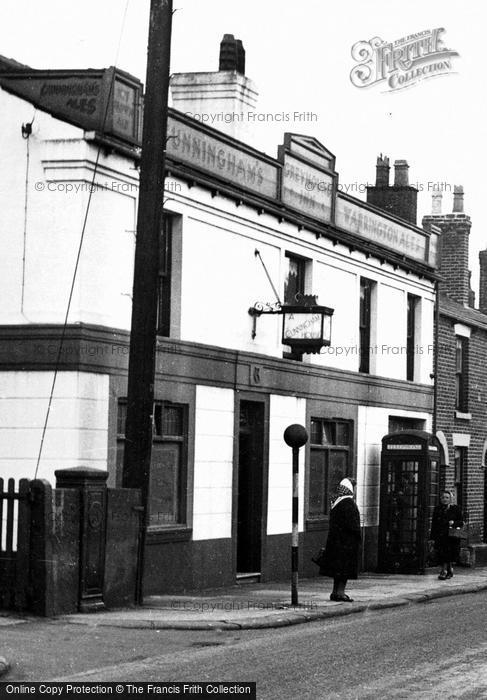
x,y
167,439
318,521
165,277
300,277
184,523
367,286
412,309
461,373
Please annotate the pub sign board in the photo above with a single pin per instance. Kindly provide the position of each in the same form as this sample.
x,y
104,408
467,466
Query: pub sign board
x,y
306,328
108,101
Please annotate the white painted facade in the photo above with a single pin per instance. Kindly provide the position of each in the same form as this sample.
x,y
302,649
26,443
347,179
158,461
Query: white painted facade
x,y
77,433
44,194
284,411
213,463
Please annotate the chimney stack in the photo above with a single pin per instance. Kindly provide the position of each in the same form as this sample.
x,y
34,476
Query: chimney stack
x,y
382,171
222,99
400,199
401,177
483,282
453,249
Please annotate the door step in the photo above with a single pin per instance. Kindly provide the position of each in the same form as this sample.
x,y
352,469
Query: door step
x,y
248,578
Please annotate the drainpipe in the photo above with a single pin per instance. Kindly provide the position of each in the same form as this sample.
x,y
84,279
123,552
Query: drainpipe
x,y
435,357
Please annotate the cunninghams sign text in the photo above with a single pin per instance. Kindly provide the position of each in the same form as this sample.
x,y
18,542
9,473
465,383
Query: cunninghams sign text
x,y
216,156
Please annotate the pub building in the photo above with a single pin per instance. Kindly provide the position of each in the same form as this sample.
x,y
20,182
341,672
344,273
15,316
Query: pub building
x,y
246,236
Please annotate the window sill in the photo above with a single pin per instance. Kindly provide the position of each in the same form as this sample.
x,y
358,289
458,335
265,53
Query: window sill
x,y
159,535
463,416
317,524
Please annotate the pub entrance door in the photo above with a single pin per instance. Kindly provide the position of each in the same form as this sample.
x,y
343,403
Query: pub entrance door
x,y
408,494
250,487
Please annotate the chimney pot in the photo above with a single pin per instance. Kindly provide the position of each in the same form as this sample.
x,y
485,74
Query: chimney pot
x,y
458,199
401,177
436,199
232,54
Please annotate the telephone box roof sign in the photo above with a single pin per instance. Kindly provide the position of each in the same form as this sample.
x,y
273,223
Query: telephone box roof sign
x,y
413,440
108,101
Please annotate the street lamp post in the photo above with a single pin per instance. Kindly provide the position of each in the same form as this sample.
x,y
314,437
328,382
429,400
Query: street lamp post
x,y
295,436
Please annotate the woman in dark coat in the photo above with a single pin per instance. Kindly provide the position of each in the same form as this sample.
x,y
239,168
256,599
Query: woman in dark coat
x,y
446,515
340,559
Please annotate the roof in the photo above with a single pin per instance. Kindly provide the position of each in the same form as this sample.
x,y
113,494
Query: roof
x,y
462,314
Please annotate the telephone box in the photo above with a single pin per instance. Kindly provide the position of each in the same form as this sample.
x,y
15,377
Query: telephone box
x,y
409,485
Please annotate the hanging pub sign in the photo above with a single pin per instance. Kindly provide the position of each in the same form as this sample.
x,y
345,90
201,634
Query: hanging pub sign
x,y
306,326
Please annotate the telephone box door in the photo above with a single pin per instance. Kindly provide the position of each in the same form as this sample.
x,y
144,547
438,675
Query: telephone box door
x,y
409,483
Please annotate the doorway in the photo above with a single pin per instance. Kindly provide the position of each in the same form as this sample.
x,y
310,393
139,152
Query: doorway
x,y
250,487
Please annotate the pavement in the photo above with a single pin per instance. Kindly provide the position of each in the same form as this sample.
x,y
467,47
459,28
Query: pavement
x,y
262,605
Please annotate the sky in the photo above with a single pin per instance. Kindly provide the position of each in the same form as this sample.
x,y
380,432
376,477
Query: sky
x,y
300,57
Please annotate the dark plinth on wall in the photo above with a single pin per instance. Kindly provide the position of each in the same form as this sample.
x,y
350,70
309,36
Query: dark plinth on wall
x,y
92,489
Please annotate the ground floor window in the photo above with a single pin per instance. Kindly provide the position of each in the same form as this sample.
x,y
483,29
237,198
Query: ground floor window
x,y
167,484
330,449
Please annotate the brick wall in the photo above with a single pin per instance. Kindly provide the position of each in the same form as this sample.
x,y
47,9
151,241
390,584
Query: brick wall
x,y
399,201
454,239
483,281
476,427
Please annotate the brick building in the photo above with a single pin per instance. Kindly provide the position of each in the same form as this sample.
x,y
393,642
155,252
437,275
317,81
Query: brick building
x,y
460,411
461,392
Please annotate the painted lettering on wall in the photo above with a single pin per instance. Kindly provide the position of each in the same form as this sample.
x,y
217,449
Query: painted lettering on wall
x,y
359,220
215,156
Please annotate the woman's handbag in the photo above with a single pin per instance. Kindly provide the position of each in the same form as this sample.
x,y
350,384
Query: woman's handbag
x,y
319,557
458,533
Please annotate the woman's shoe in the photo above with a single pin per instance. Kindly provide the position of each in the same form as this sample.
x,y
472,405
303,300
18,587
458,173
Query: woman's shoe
x,y
449,574
340,598
443,575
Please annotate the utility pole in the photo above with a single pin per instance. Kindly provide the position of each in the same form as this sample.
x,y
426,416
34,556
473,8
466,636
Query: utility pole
x,y
140,395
